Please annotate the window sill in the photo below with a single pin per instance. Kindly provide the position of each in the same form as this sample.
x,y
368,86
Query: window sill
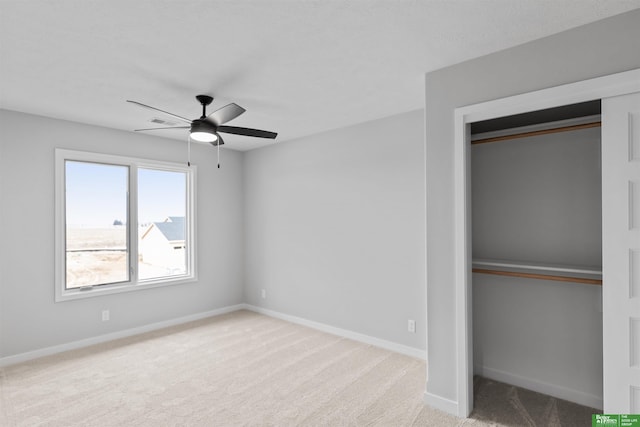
x,y
96,291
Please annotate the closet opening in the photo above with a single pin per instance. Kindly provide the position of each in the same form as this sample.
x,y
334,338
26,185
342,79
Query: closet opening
x,y
536,242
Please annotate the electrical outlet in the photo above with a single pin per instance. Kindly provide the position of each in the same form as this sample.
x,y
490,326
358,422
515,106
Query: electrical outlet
x,y
105,315
411,326
264,294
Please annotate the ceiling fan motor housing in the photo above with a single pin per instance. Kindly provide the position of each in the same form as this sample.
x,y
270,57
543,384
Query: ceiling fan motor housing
x,y
203,125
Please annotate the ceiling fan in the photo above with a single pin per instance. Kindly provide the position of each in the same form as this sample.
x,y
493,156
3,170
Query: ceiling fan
x,y
207,128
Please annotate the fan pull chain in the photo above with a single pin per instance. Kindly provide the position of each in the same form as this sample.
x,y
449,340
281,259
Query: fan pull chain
x,y
218,154
189,150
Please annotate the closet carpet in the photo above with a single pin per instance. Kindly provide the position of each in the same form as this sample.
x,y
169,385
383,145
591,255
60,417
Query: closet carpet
x,y
246,369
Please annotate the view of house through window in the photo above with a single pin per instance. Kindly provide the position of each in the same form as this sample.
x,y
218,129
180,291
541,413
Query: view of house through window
x,y
161,223
124,223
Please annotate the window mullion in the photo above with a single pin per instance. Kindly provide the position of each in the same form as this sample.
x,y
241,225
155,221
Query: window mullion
x,y
132,222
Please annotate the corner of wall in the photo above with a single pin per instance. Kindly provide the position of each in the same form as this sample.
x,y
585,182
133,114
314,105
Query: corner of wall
x,y
441,403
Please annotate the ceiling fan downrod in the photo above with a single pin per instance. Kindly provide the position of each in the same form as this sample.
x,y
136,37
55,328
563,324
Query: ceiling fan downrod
x,y
204,100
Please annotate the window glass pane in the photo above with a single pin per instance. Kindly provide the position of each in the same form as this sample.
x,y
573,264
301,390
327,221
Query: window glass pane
x,y
96,224
162,231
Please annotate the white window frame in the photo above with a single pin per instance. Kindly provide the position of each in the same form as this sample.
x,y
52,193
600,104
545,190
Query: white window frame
x,y
133,284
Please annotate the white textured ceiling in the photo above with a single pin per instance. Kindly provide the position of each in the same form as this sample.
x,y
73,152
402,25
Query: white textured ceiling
x,y
298,67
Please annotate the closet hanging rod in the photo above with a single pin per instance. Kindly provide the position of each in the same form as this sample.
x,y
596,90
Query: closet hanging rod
x,y
544,267
539,276
538,132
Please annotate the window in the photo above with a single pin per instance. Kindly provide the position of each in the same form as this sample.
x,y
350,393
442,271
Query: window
x,y
96,249
121,224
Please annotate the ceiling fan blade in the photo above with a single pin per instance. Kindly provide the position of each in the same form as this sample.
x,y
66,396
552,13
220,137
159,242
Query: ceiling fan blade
x,y
226,113
172,127
247,132
162,111
218,141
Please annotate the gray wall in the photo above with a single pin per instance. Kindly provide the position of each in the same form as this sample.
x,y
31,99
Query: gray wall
x,y
29,317
605,47
539,334
539,199
335,228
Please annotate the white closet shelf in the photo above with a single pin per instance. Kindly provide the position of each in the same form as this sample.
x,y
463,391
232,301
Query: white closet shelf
x,y
533,270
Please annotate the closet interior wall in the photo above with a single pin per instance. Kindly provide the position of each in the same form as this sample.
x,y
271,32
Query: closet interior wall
x,y
536,201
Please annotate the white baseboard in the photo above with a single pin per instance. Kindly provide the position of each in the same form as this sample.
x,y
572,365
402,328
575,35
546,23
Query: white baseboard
x,y
47,351
30,355
387,345
438,402
560,392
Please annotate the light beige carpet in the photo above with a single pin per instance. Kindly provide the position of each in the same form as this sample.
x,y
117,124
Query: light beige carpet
x,y
239,369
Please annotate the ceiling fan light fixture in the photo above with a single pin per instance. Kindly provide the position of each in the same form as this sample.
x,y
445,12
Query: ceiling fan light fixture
x,y
203,136
203,131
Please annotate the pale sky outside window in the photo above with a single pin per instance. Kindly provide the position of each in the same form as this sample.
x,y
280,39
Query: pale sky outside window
x,y
160,194
96,194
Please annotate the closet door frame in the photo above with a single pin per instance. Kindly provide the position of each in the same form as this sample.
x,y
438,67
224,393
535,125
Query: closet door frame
x,y
573,93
